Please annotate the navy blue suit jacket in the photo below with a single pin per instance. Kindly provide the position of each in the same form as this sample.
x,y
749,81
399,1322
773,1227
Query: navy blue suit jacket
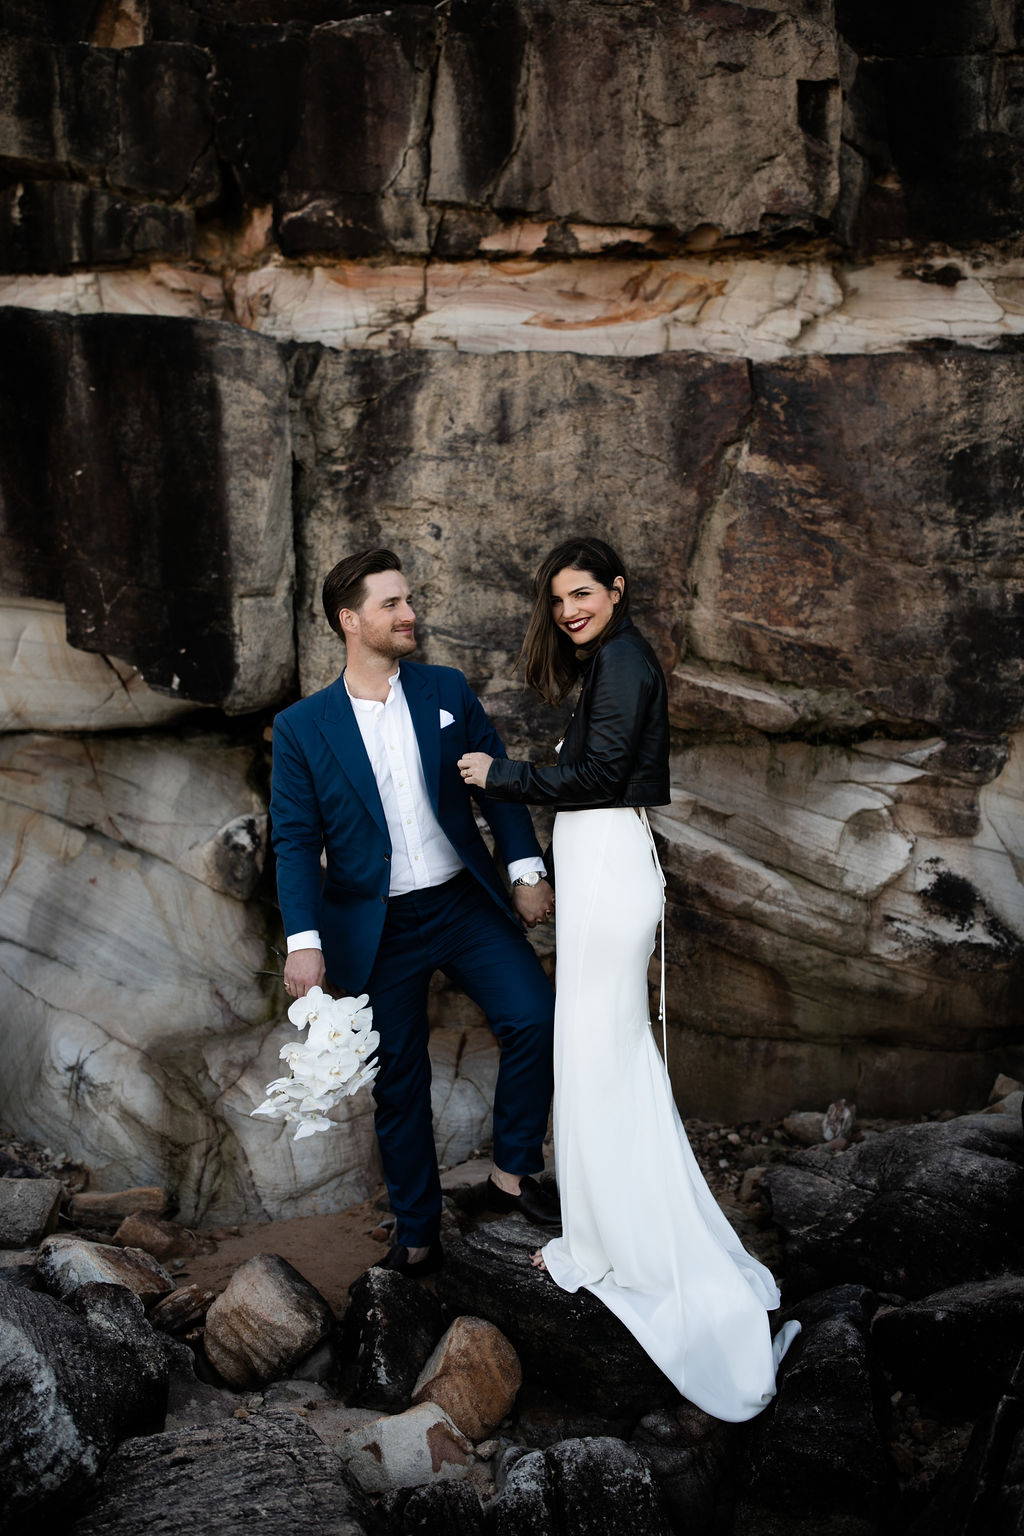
x,y
324,796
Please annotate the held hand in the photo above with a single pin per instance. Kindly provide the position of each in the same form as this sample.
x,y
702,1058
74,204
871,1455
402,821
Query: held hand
x,y
534,903
303,970
474,767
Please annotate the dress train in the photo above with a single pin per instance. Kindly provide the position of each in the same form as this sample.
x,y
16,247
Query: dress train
x,y
642,1230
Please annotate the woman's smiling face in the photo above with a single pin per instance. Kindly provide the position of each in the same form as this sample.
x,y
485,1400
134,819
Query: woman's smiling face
x,y
580,606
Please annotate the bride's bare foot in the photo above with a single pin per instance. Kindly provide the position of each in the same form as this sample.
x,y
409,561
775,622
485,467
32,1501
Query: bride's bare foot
x,y
537,1260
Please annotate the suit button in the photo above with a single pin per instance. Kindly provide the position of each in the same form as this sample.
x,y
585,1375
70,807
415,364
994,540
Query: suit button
x,y
384,900
387,858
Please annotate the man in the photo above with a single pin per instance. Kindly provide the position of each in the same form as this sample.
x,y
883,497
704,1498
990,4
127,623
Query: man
x,y
365,770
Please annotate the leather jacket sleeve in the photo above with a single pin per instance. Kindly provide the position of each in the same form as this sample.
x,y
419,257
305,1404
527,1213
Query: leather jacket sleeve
x,y
621,691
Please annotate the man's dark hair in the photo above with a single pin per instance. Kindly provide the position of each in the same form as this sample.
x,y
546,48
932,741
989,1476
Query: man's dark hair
x,y
345,586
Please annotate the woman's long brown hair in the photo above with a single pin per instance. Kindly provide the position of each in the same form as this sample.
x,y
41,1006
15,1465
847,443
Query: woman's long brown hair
x,y
550,661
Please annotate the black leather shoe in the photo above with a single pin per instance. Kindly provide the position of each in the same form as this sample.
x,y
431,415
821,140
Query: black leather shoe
x,y
397,1257
532,1202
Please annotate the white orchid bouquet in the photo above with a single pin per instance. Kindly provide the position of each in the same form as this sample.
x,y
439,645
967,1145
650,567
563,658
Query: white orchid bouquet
x,y
332,1062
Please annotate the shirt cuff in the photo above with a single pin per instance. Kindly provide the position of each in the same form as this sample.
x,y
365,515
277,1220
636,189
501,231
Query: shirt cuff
x,y
309,938
534,866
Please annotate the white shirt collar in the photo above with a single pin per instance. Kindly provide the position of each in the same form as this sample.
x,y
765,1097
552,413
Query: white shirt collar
x,y
372,704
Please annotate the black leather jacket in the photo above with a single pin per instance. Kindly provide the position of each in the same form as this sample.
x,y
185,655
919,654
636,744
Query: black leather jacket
x,y
615,751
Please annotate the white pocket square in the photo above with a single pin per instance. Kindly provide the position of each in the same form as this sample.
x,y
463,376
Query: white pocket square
x,y
446,719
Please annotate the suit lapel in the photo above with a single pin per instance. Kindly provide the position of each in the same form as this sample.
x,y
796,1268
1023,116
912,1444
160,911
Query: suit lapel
x,y
338,723
421,697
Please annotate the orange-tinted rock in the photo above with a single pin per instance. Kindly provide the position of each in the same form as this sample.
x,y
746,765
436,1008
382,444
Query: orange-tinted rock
x,y
473,1374
267,1318
163,1239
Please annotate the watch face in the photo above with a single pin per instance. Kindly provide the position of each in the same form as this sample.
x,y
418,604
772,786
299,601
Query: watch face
x,y
531,879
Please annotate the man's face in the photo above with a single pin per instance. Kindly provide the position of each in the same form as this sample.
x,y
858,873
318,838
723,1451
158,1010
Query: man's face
x,y
384,622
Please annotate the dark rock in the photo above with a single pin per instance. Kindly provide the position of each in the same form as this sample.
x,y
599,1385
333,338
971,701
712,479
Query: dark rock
x,y
356,178
138,119
215,1478
523,1506
570,1346
439,1509
984,1494
182,1310
816,1459
73,1382
54,226
592,1487
957,1349
200,555
192,1402
28,1210
855,1302
877,614
390,1330
910,1211
576,111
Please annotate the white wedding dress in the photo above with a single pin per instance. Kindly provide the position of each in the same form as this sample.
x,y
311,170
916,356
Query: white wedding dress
x,y
642,1230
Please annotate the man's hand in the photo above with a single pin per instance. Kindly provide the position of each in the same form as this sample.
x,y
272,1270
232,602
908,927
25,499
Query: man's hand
x,y
534,903
474,768
303,970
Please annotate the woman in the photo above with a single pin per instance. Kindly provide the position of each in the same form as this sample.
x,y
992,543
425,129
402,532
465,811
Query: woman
x,y
642,1231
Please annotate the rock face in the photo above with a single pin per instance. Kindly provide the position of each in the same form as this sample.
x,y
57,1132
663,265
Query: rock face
x,y
265,1320
72,1385
211,1478
201,560
278,281
912,1211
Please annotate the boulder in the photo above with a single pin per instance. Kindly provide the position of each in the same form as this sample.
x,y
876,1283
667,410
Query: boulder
x,y
213,1477
98,1208
73,1383
264,1321
911,1211
571,1347
163,1239
28,1210
437,1509
182,1310
473,1374
65,1263
817,1458
956,1350
390,1328
523,1504
593,1487
807,1126
405,1450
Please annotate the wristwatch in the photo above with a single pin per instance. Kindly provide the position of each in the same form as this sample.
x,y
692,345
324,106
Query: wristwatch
x,y
531,879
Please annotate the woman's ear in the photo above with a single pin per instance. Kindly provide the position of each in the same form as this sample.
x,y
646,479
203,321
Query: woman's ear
x,y
618,587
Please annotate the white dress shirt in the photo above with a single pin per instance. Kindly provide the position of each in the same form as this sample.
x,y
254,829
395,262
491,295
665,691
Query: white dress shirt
x,y
421,854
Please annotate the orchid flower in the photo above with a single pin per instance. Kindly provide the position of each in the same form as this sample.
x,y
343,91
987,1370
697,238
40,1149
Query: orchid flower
x,y
330,1064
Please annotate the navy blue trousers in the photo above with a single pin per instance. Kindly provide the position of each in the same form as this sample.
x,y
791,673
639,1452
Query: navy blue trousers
x,y
455,928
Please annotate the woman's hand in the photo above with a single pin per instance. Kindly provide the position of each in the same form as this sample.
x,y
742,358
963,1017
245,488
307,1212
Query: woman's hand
x,y
474,769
